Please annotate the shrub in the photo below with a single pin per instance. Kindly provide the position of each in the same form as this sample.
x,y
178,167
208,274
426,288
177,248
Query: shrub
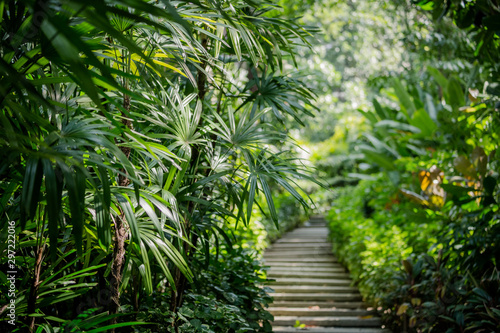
x,y
428,271
227,296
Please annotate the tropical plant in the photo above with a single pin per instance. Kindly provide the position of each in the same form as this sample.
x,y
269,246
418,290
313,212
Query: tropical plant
x,y
435,206
129,134
481,18
230,289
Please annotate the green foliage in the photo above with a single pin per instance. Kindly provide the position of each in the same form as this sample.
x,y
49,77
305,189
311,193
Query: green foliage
x,y
426,270
262,231
481,17
87,321
382,50
429,223
412,115
131,131
226,296
372,231
207,314
290,215
457,288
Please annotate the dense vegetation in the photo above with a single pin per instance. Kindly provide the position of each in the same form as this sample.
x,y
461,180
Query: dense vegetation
x,y
147,158
135,136
418,226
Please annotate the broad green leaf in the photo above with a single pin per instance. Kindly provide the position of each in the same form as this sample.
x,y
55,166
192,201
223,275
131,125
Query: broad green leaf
x,y
53,198
270,202
398,126
440,79
455,95
126,206
370,116
31,189
382,160
381,111
252,191
381,146
74,203
456,190
407,105
423,121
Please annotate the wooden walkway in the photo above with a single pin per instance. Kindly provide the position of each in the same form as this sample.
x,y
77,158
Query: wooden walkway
x,y
312,288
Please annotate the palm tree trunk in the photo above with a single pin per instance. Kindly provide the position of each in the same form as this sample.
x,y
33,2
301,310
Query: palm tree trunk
x,y
33,295
117,266
120,236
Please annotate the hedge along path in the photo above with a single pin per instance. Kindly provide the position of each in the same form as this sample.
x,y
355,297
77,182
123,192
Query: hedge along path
x,y
312,288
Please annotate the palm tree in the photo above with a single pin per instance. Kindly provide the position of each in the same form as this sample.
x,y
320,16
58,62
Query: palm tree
x,y
128,127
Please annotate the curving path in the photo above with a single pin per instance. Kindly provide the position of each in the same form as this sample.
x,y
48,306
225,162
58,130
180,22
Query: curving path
x,y
312,288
